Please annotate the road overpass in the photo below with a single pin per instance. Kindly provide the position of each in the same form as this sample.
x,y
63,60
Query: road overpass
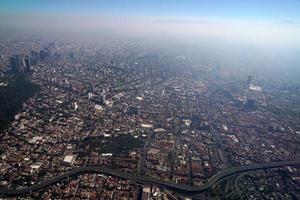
x,y
6,192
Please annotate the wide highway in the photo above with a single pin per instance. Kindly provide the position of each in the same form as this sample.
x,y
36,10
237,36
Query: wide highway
x,y
6,192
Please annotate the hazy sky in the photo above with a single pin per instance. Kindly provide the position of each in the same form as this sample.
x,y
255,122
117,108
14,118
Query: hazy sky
x,y
224,10
272,21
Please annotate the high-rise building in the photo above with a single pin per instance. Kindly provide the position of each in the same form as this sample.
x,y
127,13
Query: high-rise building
x,y
43,54
51,48
249,81
92,87
14,64
90,95
34,57
17,63
27,64
72,56
103,96
75,106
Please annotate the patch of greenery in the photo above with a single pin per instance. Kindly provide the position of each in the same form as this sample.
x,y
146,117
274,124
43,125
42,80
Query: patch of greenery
x,y
12,96
294,112
115,145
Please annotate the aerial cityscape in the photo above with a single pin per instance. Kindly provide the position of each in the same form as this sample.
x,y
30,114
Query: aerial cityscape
x,y
94,111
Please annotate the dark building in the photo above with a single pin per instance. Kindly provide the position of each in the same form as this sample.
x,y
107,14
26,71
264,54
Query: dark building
x,y
27,64
16,63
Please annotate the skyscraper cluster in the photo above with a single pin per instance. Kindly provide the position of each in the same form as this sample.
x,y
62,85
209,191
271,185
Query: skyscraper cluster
x,y
23,64
20,64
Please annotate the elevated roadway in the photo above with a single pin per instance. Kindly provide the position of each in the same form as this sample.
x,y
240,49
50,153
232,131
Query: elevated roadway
x,y
6,192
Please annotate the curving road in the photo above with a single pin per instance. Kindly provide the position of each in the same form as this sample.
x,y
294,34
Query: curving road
x,y
6,192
